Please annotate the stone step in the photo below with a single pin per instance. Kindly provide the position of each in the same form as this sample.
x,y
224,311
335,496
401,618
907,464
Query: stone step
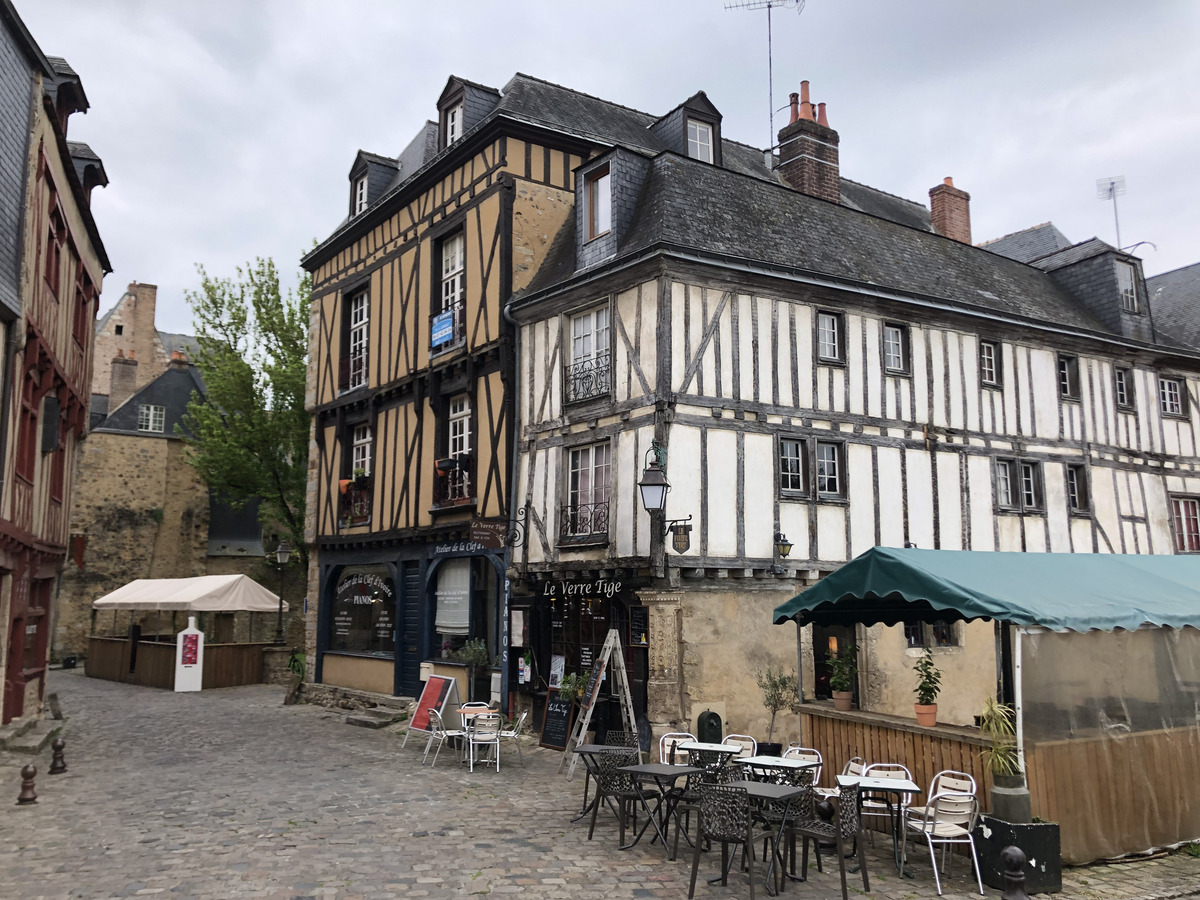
x,y
378,717
33,738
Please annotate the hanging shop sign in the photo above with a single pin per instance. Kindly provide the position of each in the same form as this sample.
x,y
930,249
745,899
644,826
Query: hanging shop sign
x,y
489,533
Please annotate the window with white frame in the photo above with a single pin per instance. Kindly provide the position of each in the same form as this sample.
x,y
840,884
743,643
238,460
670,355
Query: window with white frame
x,y
589,370
458,446
360,450
598,202
1172,397
989,363
829,336
830,470
359,322
1123,387
454,123
700,140
1186,515
448,322
791,466
1127,284
1018,485
895,349
586,513
1068,377
360,195
1078,499
151,418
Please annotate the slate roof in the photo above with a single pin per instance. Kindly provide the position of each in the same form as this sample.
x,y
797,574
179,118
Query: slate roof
x,y
1072,254
1029,244
170,390
184,343
1175,304
885,206
699,207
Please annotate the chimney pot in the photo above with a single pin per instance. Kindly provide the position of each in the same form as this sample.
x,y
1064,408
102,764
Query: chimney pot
x,y
808,151
948,180
821,120
795,98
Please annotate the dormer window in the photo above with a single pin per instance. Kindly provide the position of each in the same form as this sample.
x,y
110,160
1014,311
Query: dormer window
x,y
1127,284
700,140
454,123
360,195
599,203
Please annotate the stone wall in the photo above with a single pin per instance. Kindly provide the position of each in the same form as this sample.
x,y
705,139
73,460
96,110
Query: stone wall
x,y
133,315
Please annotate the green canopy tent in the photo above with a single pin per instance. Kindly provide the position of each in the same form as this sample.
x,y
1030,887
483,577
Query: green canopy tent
x,y
1100,654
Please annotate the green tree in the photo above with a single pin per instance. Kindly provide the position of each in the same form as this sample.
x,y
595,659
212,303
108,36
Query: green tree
x,y
248,438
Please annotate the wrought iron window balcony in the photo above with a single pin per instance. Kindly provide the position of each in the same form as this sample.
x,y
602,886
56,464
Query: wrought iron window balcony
x,y
448,328
454,482
588,378
584,523
354,506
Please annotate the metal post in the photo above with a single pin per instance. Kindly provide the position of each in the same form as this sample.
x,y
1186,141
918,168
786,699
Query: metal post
x,y
28,794
279,617
1013,860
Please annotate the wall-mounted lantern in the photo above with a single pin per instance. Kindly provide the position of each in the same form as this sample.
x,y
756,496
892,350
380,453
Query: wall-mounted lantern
x,y
654,488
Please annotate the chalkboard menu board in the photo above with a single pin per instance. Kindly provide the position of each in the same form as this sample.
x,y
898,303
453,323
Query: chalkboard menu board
x,y
556,725
639,626
593,685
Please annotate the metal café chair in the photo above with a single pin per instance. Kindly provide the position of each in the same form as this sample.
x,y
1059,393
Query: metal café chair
x,y
668,751
845,826
854,766
748,744
439,733
614,785
877,805
514,734
485,732
947,781
725,816
948,818
807,754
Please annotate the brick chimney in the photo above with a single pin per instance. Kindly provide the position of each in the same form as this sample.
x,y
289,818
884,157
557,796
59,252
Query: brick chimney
x,y
124,380
808,150
950,211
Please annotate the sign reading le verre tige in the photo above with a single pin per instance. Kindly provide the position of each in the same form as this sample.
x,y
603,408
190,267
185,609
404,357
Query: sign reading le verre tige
x,y
598,587
489,534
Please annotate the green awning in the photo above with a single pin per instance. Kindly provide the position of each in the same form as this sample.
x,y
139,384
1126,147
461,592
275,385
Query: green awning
x,y
1059,591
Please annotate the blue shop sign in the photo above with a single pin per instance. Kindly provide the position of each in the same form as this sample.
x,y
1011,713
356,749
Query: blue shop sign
x,y
443,328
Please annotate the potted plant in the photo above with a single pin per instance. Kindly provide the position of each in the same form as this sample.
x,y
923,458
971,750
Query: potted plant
x,y
780,690
929,685
446,465
1010,821
361,479
843,669
474,655
344,484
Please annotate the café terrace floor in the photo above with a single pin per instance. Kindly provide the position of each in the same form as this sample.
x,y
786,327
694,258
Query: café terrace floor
x,y
228,793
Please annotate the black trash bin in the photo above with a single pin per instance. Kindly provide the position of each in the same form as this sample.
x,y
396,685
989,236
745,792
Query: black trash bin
x,y
708,727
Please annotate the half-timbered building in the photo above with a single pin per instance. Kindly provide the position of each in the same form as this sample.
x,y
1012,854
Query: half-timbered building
x,y
821,368
51,267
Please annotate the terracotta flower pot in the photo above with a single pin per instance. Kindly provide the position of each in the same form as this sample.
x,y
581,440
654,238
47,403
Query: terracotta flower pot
x,y
842,700
926,715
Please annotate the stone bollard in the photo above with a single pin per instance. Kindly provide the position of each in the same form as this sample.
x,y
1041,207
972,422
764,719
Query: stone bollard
x,y
58,765
1013,860
28,794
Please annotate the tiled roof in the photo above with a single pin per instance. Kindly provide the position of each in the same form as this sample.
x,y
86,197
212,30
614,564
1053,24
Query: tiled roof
x,y
1029,244
716,212
1175,304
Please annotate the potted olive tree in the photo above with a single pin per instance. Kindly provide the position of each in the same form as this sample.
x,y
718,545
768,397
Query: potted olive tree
x,y
780,690
929,685
1010,822
843,669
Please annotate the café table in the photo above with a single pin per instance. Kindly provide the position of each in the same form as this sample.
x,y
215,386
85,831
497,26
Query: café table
x,y
894,786
704,753
664,777
774,764
767,792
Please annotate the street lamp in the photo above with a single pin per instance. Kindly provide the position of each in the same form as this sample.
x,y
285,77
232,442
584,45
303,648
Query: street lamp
x,y
654,488
782,544
282,554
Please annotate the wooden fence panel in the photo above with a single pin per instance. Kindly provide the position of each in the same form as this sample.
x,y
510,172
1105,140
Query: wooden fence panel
x,y
154,665
107,658
229,665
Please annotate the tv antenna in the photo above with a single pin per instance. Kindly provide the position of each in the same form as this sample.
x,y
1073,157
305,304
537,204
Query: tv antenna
x,y
1111,189
768,5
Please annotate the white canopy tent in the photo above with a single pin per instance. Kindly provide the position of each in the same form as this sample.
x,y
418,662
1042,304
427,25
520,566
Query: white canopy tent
x,y
205,593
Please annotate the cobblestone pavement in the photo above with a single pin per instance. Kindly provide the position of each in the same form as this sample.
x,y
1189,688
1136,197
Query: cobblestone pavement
x,y
228,793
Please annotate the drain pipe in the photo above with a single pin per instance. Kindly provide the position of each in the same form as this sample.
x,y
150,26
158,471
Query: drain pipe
x,y
514,471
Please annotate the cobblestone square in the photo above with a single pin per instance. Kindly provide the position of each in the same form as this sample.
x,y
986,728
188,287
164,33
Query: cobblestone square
x,y
228,793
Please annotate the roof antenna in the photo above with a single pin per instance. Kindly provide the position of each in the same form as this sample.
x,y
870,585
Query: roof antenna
x,y
768,5
1111,189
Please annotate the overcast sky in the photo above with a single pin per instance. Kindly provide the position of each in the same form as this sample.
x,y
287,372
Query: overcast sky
x,y
228,127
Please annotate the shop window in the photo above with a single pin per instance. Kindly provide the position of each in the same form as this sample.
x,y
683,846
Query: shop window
x,y
589,371
362,618
1185,514
467,605
586,514
448,324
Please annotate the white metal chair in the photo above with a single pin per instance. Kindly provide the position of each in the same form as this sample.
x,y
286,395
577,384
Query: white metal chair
x,y
748,744
949,818
947,781
854,766
514,734
807,754
485,732
439,733
881,805
668,747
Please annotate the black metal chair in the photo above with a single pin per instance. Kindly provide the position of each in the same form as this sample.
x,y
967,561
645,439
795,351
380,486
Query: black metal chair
x,y
725,816
845,826
613,785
